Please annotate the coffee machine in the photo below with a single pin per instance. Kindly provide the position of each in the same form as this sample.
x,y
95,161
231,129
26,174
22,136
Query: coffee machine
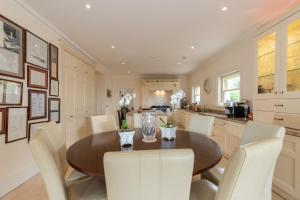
x,y
237,109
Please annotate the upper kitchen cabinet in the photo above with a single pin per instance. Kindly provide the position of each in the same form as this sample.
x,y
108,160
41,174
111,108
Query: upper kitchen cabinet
x,y
278,60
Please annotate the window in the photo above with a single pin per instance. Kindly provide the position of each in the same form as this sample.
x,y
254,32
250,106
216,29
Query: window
x,y
196,94
229,88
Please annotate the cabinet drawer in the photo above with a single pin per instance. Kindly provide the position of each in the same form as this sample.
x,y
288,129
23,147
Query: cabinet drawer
x,y
271,105
291,106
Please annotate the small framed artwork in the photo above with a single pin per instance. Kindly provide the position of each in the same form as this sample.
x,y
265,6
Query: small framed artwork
x,y
12,49
53,53
36,51
37,101
54,109
32,128
16,124
54,88
11,92
37,78
3,120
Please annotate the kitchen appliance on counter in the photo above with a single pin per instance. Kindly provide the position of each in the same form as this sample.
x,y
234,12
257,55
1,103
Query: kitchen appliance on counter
x,y
164,108
237,109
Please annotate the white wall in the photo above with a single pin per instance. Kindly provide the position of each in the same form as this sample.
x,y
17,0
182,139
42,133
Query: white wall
x,y
237,56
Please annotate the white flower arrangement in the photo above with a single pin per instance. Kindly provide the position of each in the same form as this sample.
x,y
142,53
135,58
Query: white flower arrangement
x,y
126,100
176,98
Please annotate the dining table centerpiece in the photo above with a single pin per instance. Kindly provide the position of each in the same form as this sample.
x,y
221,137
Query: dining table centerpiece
x,y
169,128
125,132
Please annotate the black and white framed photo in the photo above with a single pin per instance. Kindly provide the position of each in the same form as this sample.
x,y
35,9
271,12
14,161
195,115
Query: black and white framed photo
x,y
16,124
53,53
12,49
37,78
54,109
32,128
11,92
3,120
37,100
36,51
54,88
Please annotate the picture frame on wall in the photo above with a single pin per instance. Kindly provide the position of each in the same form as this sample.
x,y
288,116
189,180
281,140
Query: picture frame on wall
x,y
54,88
12,49
53,62
36,51
16,124
32,128
3,120
37,78
54,109
37,101
11,92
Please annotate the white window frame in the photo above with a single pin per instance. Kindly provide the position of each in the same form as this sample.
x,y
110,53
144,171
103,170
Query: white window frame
x,y
194,95
222,91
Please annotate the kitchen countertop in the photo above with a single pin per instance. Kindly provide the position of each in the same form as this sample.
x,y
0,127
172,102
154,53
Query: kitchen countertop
x,y
289,131
220,116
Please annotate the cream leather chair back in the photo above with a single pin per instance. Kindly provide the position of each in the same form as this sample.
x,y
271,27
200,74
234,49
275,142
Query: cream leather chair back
x,y
149,175
57,139
256,131
137,120
103,123
49,166
247,173
201,124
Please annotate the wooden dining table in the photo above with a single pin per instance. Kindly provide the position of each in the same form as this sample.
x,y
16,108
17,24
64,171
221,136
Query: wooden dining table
x,y
87,154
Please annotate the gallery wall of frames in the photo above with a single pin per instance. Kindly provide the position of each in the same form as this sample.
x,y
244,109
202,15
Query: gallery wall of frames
x,y
29,81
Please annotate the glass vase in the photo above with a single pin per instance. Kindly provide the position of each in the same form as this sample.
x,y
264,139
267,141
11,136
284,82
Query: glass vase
x,y
149,126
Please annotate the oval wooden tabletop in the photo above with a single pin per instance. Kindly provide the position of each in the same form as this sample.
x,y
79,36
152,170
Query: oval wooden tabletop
x,y
87,154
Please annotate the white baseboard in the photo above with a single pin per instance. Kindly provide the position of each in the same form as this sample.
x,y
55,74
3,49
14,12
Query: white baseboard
x,y
9,183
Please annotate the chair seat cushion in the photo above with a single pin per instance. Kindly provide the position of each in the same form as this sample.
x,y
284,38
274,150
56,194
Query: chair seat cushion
x,y
87,189
203,190
72,175
214,175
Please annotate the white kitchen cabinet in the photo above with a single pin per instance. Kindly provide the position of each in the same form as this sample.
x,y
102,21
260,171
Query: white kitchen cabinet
x,y
278,60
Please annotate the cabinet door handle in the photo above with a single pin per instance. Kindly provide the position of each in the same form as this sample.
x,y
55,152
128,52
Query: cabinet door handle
x,y
282,92
275,92
278,119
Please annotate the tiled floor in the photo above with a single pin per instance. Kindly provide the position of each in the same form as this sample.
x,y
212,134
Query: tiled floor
x,y
34,189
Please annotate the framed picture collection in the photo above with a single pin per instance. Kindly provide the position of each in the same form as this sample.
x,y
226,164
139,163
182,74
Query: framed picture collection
x,y
28,63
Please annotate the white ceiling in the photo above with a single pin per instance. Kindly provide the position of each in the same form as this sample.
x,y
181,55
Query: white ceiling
x,y
152,36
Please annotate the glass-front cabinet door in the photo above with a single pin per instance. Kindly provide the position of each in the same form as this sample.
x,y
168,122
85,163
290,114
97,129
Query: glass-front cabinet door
x,y
266,53
291,56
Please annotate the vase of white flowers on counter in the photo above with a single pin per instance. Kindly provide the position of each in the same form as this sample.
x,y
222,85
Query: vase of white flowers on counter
x,y
168,129
126,133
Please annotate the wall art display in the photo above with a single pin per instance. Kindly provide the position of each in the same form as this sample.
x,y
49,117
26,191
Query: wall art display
x,y
37,78
54,88
3,120
36,50
53,62
10,92
16,124
11,49
32,128
37,104
54,109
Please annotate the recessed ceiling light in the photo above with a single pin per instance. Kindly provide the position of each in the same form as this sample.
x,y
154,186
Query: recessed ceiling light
x,y
129,72
35,45
88,6
113,46
224,8
192,47
123,63
179,63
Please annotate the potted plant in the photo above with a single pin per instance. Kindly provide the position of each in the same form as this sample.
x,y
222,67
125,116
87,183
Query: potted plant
x,y
126,133
168,129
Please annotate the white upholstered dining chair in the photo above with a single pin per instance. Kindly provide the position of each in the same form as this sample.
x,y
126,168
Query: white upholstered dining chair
x,y
247,175
51,169
149,175
201,124
253,132
53,131
103,123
